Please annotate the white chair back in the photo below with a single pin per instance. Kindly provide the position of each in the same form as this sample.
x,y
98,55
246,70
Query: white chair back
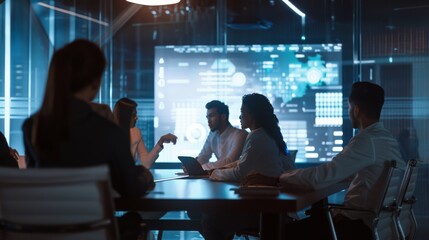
x,y
384,224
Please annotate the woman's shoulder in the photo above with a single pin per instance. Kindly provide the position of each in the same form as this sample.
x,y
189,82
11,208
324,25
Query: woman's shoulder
x,y
28,123
258,133
238,131
103,126
260,136
103,110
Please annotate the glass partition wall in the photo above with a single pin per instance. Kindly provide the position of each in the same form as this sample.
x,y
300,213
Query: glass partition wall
x,y
386,42
394,50
30,32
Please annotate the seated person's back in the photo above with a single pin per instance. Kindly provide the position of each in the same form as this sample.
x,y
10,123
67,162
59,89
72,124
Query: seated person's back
x,y
361,163
66,132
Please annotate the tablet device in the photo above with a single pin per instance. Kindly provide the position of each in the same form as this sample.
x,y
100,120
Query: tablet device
x,y
192,166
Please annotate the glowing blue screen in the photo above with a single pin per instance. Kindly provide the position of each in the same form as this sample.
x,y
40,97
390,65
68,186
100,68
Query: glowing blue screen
x,y
303,83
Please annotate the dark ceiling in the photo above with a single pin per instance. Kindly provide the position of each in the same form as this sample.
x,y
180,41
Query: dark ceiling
x,y
133,30
196,21
276,10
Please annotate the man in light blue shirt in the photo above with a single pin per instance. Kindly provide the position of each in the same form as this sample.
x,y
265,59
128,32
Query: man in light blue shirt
x,y
224,141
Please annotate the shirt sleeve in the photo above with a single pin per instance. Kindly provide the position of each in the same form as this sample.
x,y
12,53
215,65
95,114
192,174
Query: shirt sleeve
x,y
206,152
235,173
249,160
146,158
233,154
358,154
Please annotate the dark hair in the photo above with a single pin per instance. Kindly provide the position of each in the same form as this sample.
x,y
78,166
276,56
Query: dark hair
x,y
369,97
260,108
221,107
123,112
75,66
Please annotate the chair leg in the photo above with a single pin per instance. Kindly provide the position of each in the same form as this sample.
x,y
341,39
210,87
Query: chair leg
x,y
413,230
159,237
399,228
321,209
331,225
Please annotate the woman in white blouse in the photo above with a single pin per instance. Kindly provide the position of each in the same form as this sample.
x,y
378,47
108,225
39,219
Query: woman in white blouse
x,y
125,112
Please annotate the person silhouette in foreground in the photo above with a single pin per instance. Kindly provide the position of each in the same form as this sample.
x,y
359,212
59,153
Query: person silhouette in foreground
x,y
66,132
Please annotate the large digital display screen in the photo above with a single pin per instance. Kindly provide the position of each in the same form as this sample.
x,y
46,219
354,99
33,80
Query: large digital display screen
x,y
302,81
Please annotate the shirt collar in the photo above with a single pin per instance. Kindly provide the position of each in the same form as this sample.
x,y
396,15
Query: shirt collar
x,y
374,125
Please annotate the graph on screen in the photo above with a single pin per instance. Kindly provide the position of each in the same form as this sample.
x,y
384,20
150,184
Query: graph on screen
x,y
302,81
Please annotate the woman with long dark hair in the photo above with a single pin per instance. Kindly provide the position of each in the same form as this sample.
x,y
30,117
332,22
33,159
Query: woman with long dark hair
x,y
125,113
264,150
66,132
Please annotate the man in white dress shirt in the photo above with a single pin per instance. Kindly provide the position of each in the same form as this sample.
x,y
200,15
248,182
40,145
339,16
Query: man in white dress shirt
x,y
224,141
360,162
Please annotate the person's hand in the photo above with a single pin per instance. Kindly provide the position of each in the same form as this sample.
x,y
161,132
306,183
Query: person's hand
x,y
209,172
259,179
14,153
167,138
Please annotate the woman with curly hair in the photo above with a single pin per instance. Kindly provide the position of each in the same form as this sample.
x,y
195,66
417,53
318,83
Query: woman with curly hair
x,y
264,153
264,150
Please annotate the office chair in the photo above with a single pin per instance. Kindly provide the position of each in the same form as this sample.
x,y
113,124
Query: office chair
x,y
68,203
405,218
384,224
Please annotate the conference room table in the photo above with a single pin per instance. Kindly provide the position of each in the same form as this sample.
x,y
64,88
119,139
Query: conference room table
x,y
179,193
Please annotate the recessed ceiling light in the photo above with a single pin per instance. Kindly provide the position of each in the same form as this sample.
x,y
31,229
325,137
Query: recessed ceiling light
x,y
154,2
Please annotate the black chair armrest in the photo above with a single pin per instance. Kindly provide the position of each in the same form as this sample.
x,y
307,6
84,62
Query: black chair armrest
x,y
411,200
344,208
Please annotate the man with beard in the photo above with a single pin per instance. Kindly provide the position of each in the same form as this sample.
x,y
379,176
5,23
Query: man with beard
x,y
224,140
